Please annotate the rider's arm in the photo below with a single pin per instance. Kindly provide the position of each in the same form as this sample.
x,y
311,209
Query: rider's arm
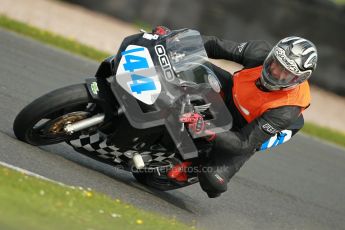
x,y
249,54
251,136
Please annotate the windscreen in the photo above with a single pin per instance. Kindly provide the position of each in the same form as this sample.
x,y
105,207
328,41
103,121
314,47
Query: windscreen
x,y
188,57
157,81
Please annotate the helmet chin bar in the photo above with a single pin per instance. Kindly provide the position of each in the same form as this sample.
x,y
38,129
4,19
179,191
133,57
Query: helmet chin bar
x,y
290,87
265,86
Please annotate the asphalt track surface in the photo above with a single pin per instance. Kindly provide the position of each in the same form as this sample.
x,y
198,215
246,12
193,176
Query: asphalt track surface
x,y
300,185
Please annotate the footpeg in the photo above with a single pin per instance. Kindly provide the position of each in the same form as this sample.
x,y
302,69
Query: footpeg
x,y
138,161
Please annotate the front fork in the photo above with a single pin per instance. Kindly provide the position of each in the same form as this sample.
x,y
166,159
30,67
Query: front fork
x,y
84,124
102,96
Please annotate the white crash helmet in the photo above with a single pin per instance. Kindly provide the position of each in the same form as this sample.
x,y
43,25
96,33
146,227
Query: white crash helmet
x,y
289,63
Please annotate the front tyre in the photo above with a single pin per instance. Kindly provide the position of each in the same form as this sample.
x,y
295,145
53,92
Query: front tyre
x,y
42,122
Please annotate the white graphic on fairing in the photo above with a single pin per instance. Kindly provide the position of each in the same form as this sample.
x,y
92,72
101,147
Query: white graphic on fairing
x,y
137,74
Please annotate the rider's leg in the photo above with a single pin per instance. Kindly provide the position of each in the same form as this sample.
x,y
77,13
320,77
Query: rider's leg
x,y
215,174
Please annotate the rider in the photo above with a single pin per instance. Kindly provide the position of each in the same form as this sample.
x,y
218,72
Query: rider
x,y
266,99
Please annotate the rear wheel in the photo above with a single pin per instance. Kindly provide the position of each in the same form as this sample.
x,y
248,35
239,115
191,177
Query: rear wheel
x,y
42,122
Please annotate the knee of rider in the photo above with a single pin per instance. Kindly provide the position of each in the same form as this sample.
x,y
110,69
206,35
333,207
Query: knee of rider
x,y
210,186
215,180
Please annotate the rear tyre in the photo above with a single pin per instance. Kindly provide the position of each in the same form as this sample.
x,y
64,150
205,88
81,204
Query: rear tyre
x,y
42,121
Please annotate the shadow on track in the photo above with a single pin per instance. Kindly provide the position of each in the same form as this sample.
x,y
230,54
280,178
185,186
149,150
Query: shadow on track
x,y
119,175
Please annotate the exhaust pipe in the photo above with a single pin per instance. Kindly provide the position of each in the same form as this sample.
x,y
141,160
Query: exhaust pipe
x,y
83,124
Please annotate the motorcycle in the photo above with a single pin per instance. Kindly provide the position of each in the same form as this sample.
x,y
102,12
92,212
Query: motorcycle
x,y
152,109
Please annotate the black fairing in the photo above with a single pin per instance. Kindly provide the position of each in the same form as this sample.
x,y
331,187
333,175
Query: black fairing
x,y
106,69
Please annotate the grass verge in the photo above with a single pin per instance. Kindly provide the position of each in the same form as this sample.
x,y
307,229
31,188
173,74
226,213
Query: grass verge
x,y
52,39
30,203
327,134
339,2
86,51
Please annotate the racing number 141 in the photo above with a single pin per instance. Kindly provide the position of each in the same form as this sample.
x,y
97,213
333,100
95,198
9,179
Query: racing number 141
x,y
133,63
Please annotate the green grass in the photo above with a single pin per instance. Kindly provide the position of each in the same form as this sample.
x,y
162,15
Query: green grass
x,y
34,204
339,2
86,51
143,25
327,134
52,39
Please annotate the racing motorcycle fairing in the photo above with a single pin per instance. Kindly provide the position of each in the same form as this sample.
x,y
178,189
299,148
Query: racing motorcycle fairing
x,y
158,78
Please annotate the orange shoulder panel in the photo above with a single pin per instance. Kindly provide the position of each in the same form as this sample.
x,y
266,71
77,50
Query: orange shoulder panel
x,y
253,102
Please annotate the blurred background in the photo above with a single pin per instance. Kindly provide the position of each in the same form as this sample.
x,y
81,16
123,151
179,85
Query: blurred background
x,y
321,21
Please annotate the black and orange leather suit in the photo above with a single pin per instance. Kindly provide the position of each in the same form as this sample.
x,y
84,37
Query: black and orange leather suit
x,y
258,114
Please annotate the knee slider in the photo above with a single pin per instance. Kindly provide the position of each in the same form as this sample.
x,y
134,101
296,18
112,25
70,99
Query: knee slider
x,y
213,180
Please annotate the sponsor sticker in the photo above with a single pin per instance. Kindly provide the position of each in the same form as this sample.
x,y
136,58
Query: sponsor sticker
x,y
94,88
150,36
269,129
165,63
241,46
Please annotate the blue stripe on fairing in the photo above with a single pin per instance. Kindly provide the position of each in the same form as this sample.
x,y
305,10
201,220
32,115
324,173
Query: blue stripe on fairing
x,y
132,51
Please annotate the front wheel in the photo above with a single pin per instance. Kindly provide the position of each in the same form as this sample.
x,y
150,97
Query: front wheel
x,y
42,122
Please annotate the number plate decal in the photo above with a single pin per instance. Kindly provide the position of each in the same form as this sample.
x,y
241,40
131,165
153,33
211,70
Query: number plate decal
x,y
137,74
